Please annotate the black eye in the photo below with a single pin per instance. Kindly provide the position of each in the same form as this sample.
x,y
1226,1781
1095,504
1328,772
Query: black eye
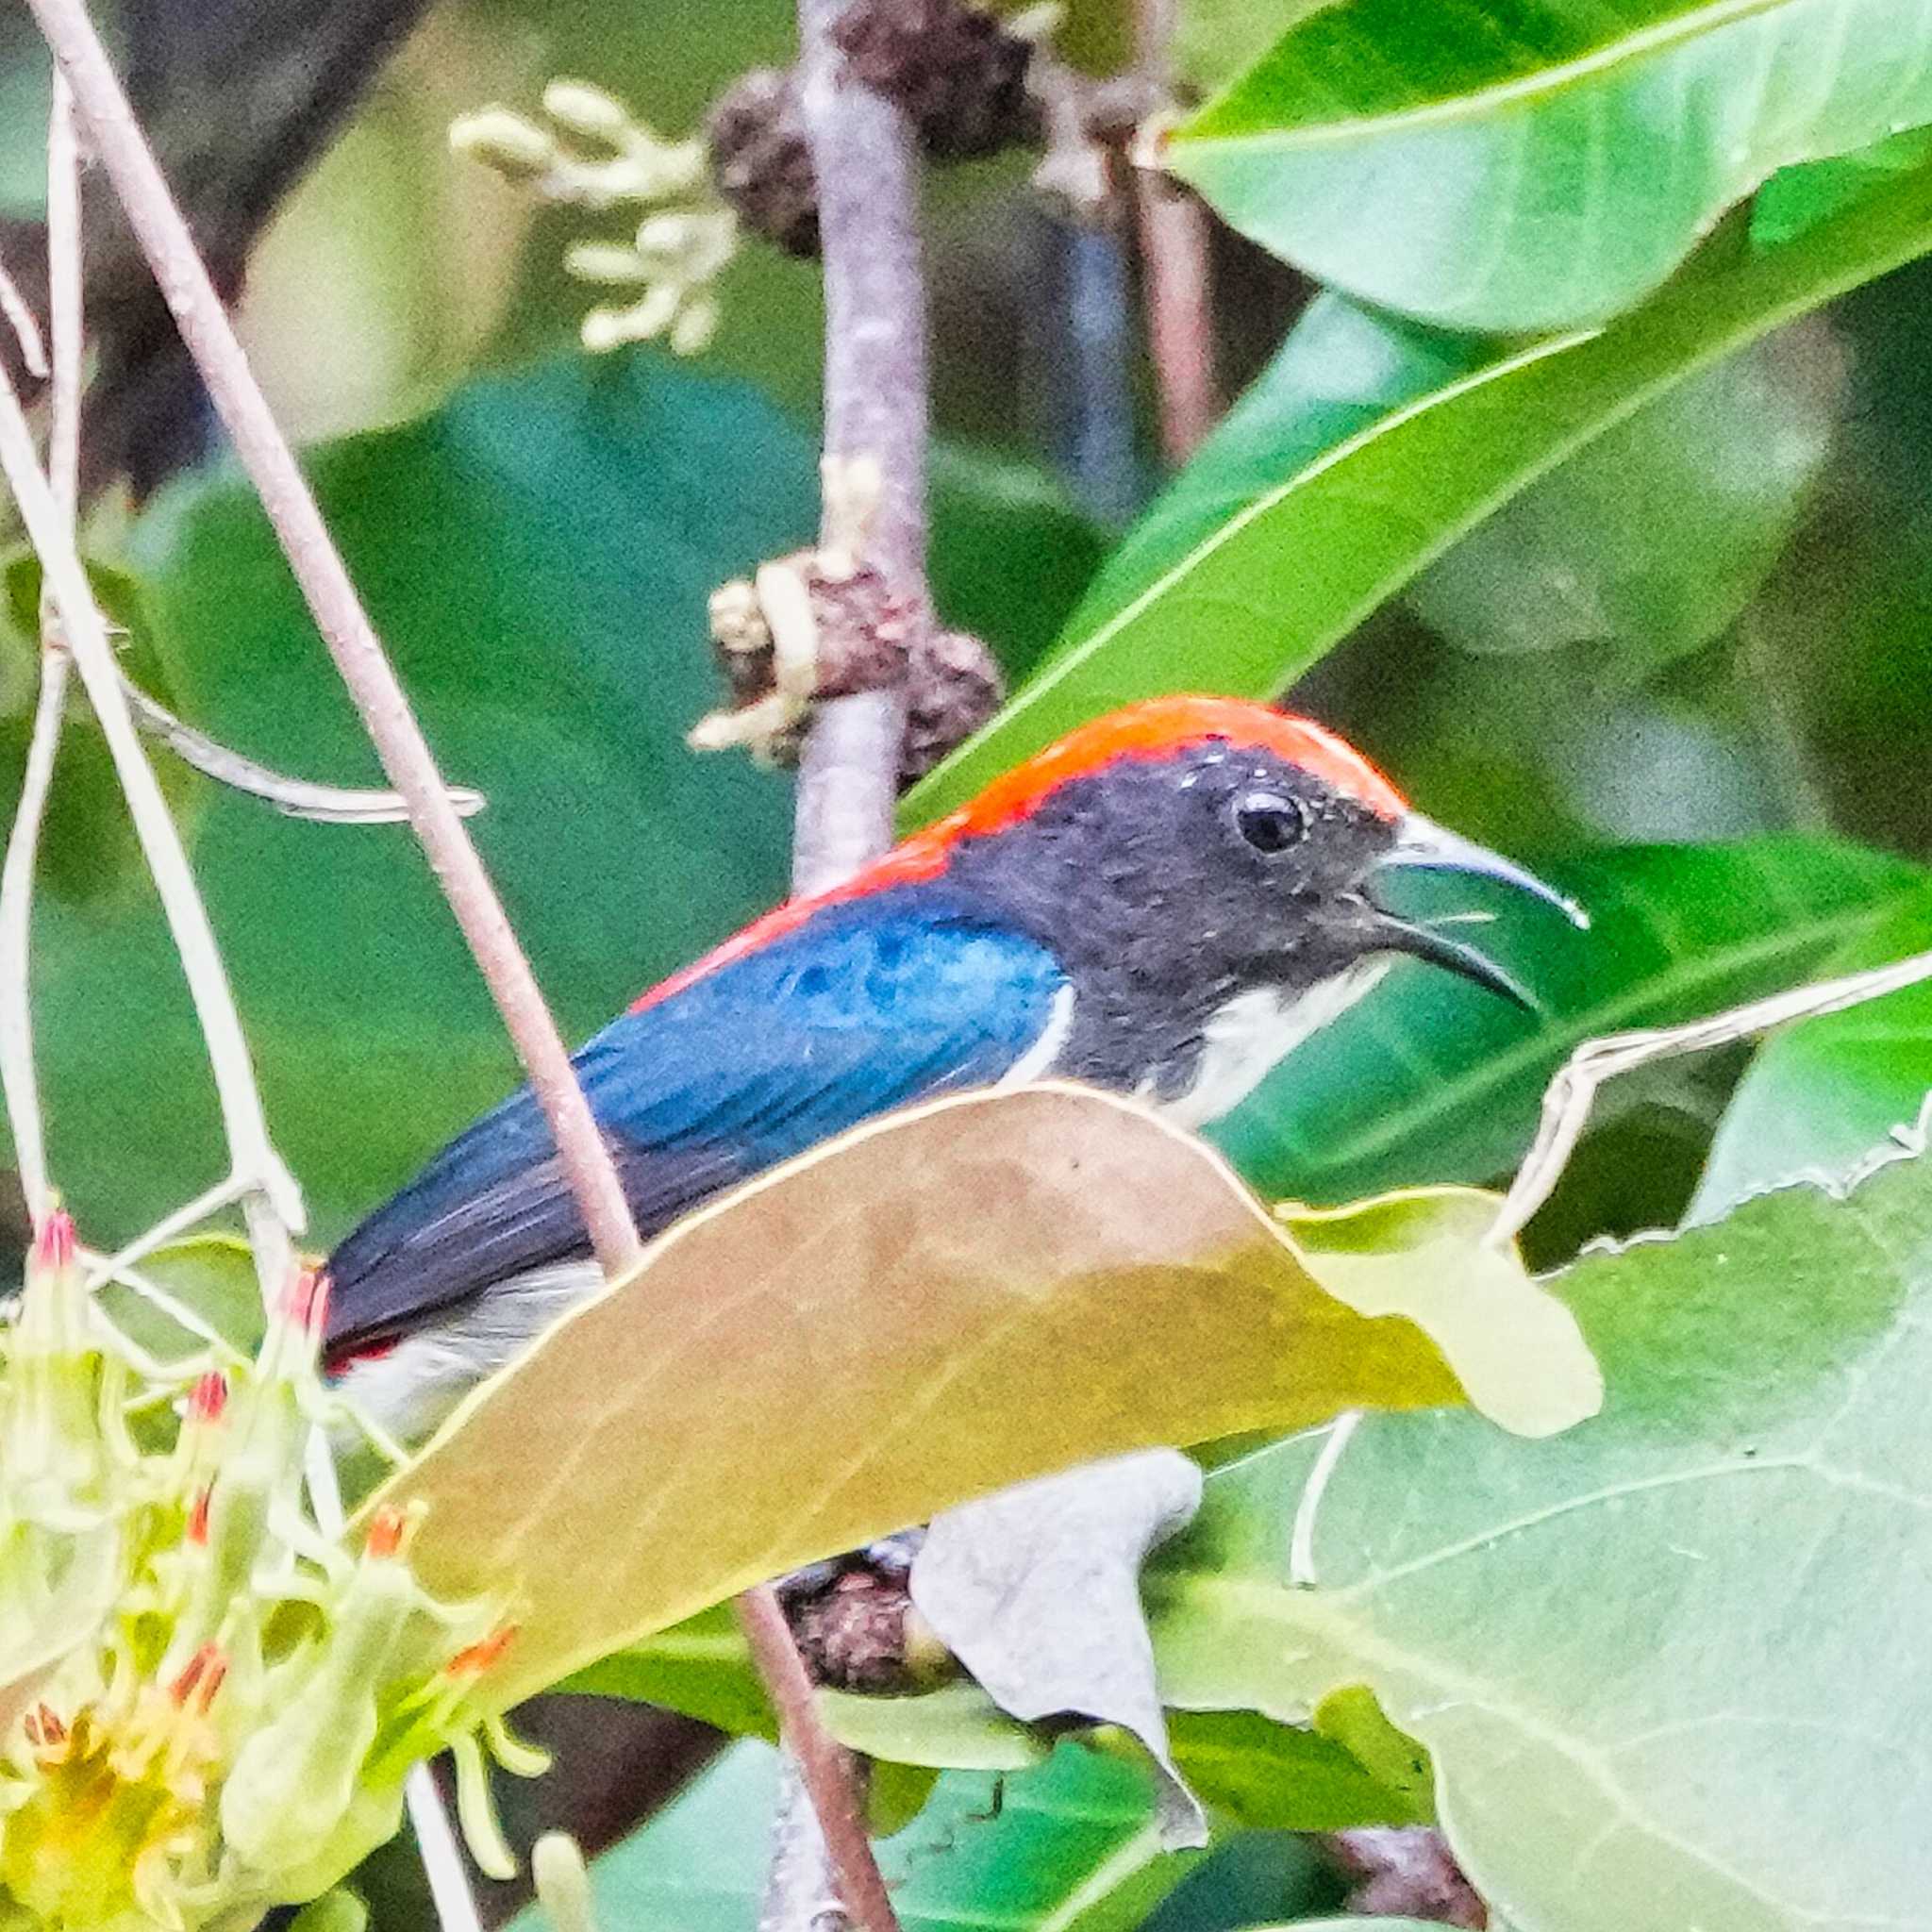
x,y
1269,821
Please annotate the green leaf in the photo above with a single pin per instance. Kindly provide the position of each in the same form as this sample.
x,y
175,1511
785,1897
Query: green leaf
x,y
843,1293
1820,1096
1434,1081
700,1667
1664,1650
1491,166
1583,555
538,555
1010,555
1067,1847
1353,1767
211,1277
88,855
1246,574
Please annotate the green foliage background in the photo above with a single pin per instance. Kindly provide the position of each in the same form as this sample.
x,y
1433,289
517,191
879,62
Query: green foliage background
x,y
1582,479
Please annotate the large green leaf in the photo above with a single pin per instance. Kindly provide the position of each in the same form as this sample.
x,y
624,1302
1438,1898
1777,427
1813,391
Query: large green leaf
x,y
1348,1768
1067,1847
1496,166
1249,569
1666,1666
1820,1096
538,555
813,1360
1583,557
1435,1080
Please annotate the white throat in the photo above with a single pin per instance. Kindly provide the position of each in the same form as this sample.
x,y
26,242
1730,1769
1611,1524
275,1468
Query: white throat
x,y
1254,1031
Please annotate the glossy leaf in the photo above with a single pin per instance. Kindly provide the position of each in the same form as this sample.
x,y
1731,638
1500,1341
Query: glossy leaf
x,y
1489,166
1067,1847
1583,556
1349,1766
1248,571
1820,1096
1665,1649
812,1361
538,555
1433,1081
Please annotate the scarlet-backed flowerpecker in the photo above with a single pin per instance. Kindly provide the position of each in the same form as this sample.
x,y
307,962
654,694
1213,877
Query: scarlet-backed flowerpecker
x,y
1165,903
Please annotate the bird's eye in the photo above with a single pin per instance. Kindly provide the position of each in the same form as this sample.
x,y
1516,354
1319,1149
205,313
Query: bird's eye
x,y
1269,821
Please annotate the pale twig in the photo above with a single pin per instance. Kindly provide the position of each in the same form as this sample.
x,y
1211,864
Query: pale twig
x,y
1177,294
18,1074
252,1158
17,1070
826,1768
122,152
1570,1096
865,160
26,328
1176,271
298,798
65,301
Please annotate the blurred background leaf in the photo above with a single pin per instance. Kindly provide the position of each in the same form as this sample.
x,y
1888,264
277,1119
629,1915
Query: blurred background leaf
x,y
1290,527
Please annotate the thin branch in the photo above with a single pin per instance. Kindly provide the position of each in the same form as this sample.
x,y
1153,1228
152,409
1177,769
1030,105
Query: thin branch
x,y
122,151
1176,276
16,924
826,1771
299,798
21,319
17,1068
252,1157
1572,1094
865,161
1177,292
64,300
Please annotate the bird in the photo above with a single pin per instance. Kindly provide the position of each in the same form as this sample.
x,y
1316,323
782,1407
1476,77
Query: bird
x,y
1164,904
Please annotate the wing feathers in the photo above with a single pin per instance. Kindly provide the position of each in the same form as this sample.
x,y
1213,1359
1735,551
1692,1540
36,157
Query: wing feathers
x,y
866,1006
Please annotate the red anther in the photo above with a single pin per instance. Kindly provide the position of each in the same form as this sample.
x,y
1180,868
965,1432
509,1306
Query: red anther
x,y
475,1659
208,1398
44,1727
307,1300
387,1529
54,1244
201,1677
197,1515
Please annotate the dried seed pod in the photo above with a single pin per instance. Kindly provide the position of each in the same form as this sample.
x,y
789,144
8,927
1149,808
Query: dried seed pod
x,y
953,67
761,162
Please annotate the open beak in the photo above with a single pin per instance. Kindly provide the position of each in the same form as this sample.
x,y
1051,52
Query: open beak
x,y
1421,845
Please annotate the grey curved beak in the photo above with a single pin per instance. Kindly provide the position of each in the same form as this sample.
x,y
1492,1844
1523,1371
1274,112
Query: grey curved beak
x,y
1424,846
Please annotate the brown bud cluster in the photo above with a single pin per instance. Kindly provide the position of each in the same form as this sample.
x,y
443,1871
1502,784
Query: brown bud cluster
x,y
957,72
866,638
760,161
953,68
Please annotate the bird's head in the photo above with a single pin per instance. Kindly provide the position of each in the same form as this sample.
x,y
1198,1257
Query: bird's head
x,y
1213,874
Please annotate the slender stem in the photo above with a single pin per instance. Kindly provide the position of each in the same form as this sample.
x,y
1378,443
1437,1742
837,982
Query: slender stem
x,y
251,1155
826,1768
866,163
358,655
1176,278
64,300
16,923
1176,292
17,1068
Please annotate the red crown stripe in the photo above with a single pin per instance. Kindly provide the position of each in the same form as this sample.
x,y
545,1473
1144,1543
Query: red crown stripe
x,y
1152,730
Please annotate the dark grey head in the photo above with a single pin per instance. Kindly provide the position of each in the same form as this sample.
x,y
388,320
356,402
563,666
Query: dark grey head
x,y
1215,898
